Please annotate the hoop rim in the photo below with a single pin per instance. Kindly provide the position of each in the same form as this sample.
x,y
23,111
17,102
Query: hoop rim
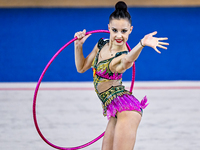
x,y
38,85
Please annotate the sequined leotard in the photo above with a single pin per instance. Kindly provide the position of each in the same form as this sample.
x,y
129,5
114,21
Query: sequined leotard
x,y
116,98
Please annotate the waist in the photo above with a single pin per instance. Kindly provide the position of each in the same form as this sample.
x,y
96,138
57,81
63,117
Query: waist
x,y
106,84
107,96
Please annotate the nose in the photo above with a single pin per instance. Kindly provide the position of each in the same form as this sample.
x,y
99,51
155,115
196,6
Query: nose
x,y
119,35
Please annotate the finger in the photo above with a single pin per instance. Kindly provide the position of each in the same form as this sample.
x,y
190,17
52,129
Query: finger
x,y
84,31
89,35
77,34
80,35
84,38
157,50
163,43
154,33
164,38
162,46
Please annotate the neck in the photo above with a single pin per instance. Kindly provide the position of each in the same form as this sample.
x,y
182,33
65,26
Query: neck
x,y
113,47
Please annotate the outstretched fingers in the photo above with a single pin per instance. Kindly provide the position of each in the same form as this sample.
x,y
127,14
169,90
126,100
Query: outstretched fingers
x,y
163,38
154,33
163,47
163,43
157,50
160,44
154,42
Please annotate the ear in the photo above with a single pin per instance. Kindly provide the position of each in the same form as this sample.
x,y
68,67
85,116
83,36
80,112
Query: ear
x,y
131,29
109,27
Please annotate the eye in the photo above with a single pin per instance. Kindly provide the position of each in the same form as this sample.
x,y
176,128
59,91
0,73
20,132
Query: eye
x,y
124,31
114,30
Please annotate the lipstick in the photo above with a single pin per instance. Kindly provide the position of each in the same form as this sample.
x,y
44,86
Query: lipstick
x,y
118,40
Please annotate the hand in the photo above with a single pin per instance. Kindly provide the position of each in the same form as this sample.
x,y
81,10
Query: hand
x,y
153,42
81,37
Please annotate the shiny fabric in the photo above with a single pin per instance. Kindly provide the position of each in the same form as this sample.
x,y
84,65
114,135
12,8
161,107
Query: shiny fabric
x,y
116,98
125,102
101,70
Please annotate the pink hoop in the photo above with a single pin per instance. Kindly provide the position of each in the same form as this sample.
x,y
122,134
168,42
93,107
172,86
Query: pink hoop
x,y
37,88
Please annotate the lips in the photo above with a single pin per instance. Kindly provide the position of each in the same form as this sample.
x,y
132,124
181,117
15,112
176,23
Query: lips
x,y
118,40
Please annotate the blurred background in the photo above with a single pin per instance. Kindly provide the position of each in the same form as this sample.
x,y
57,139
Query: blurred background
x,y
32,31
69,112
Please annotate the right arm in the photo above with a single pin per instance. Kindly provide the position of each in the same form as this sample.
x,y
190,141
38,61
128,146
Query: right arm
x,y
82,63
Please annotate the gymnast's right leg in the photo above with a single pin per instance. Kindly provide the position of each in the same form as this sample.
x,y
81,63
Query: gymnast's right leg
x,y
109,135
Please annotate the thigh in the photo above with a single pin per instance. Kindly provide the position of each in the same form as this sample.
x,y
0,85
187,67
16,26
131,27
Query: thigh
x,y
126,129
109,135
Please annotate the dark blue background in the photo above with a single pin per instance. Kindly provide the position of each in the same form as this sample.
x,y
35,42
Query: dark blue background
x,y
30,37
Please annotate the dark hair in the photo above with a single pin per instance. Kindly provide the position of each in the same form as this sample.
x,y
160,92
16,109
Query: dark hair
x,y
120,12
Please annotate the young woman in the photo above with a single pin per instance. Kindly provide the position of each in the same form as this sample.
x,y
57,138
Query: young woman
x,y
109,60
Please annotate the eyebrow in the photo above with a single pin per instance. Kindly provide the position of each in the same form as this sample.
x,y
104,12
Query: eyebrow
x,y
122,29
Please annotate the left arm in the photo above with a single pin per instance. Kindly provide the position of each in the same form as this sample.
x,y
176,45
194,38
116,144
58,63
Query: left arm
x,y
148,40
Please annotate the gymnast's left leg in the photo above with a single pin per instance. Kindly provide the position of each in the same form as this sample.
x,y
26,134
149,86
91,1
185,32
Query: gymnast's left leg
x,y
126,129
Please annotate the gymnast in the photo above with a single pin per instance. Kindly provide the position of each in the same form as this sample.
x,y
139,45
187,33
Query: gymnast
x,y
109,60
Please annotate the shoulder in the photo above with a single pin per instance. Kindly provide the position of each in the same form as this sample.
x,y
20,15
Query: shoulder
x,y
102,42
116,63
121,53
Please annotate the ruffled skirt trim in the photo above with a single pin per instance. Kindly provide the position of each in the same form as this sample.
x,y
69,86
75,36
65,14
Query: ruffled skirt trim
x,y
125,102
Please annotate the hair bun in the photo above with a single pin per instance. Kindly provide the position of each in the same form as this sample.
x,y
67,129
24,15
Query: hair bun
x,y
121,6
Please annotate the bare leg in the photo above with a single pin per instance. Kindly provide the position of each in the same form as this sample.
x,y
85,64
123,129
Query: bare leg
x,y
109,135
125,130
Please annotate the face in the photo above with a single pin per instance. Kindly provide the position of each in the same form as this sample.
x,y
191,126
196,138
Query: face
x,y
119,31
